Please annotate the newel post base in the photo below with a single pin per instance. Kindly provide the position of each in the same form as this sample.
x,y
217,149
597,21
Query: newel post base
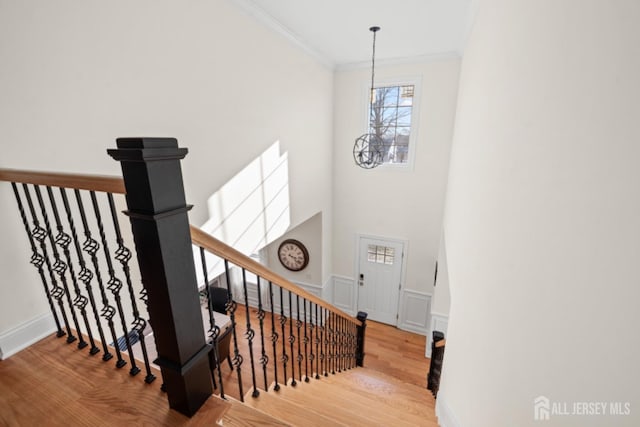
x,y
158,214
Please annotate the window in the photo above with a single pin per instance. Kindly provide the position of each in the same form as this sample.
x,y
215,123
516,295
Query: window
x,y
380,254
390,120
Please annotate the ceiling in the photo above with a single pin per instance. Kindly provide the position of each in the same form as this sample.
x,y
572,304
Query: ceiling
x,y
337,31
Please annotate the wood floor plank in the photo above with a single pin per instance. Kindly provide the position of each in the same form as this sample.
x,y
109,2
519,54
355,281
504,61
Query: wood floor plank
x,y
55,384
241,415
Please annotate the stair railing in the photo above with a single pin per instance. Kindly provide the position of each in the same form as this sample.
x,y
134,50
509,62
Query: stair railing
x,y
309,337
73,227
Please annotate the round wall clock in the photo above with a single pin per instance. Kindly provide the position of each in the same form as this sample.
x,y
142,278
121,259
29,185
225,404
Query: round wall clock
x,y
293,255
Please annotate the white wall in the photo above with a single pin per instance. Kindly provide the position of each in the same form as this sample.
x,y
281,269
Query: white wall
x,y
543,215
77,74
309,233
401,204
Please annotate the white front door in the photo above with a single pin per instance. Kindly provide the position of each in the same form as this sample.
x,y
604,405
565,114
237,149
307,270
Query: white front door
x,y
379,278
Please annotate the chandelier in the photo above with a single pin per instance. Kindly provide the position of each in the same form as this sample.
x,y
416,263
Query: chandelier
x,y
368,149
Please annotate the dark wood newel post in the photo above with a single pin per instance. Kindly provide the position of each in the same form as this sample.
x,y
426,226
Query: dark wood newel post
x,y
362,317
158,214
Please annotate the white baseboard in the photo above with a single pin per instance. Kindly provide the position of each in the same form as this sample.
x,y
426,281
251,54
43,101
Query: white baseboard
x,y
22,336
446,418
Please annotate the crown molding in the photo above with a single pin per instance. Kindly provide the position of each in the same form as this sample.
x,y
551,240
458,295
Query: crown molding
x,y
252,9
420,59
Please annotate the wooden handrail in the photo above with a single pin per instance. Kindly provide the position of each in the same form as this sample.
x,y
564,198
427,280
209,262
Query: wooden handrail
x,y
114,184
216,247
108,184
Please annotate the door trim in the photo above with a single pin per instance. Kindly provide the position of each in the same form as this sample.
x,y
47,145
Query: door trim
x,y
403,267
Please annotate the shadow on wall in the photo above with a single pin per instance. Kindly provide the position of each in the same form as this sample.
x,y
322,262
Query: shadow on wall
x,y
251,210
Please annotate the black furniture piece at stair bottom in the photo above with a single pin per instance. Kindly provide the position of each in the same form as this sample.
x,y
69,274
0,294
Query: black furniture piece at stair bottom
x,y
435,367
219,298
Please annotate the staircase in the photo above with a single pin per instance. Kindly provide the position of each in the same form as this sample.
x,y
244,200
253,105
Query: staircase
x,y
278,330
359,397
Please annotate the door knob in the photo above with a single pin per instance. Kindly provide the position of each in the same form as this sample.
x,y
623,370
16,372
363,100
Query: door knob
x,y
361,280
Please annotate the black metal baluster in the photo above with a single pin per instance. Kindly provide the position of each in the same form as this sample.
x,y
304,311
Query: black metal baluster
x,y
332,343
274,338
90,246
37,260
345,351
318,341
327,338
231,309
63,240
283,322
337,343
292,341
56,292
341,323
123,254
312,356
80,301
343,344
298,326
354,333
214,330
306,344
249,335
114,285
264,359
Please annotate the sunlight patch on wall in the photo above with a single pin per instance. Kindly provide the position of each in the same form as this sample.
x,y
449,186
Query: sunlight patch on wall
x,y
251,210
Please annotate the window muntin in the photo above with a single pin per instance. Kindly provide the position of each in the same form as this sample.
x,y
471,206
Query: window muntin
x,y
381,254
390,119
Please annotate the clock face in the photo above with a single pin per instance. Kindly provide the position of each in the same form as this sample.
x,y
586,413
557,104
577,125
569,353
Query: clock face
x,y
293,255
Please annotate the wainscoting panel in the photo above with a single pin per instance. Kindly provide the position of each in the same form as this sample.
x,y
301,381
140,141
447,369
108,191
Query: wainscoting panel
x,y
344,294
439,322
414,311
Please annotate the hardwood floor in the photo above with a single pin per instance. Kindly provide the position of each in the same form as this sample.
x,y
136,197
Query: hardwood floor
x,y
52,383
389,350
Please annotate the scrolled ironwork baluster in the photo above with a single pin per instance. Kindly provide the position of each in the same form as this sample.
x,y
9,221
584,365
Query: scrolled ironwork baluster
x,y
344,345
91,246
264,359
332,343
214,330
298,326
80,301
292,341
59,267
312,356
354,344
306,343
63,240
319,342
283,322
325,343
249,335
231,308
37,260
123,255
114,285
274,338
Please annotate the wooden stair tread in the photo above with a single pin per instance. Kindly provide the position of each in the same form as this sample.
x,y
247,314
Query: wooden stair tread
x,y
349,406
289,411
402,401
382,386
244,415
